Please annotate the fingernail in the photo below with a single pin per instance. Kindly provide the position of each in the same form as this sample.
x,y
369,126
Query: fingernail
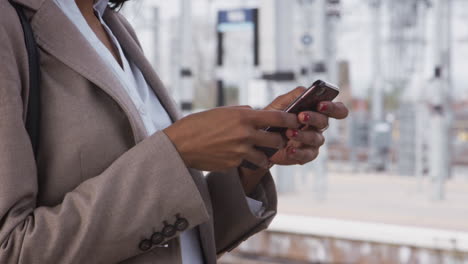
x,y
295,133
323,107
306,117
292,151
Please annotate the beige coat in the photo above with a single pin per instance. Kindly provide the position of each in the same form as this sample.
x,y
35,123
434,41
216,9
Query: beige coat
x,y
101,186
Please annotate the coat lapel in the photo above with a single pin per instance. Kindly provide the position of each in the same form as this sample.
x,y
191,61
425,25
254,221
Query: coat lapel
x,y
57,35
135,54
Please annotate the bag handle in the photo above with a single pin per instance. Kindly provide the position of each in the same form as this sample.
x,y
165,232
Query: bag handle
x,y
33,114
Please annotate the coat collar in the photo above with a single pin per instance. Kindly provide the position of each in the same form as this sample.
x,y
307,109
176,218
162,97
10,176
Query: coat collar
x,y
58,36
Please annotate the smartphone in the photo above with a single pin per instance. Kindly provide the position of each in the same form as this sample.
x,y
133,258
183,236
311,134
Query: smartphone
x,y
319,91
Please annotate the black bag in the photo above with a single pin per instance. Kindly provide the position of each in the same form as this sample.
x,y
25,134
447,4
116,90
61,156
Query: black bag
x,y
33,115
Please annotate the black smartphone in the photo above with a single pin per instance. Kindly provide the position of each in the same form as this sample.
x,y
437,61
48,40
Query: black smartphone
x,y
319,91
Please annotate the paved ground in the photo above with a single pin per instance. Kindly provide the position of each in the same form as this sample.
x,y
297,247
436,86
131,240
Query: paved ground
x,y
370,197
383,198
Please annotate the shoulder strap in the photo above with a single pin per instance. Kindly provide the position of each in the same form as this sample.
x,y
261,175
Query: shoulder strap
x,y
34,114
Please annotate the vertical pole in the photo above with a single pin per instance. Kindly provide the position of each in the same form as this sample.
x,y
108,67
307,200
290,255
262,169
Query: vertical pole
x,y
332,19
284,18
324,54
440,154
421,111
448,62
186,74
307,8
256,36
283,22
377,96
221,100
376,159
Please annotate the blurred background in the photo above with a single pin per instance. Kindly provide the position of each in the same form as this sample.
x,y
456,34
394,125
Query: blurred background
x,y
391,184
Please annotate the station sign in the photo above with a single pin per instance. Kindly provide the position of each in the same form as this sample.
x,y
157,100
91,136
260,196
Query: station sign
x,y
236,19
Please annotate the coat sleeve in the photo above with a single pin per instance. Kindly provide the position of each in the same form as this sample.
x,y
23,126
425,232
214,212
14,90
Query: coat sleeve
x,y
106,217
234,221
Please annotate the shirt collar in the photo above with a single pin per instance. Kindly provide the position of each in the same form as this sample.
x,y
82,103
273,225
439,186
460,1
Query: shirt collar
x,y
100,6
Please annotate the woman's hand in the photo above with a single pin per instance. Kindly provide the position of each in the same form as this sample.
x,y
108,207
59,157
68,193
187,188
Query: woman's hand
x,y
223,137
303,145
